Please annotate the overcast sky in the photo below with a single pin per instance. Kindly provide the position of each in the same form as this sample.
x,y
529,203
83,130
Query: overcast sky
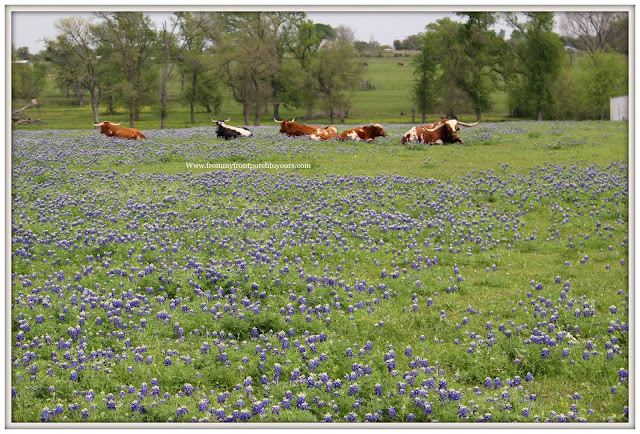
x,y
30,28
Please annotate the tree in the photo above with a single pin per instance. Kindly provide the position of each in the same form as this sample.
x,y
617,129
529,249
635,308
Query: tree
x,y
597,30
247,46
129,37
73,52
168,48
444,46
425,86
485,57
209,93
303,39
602,75
334,70
28,80
541,55
23,53
193,61
68,67
370,48
411,42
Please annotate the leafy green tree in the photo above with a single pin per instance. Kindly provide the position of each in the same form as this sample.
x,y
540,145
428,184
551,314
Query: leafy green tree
x,y
128,38
541,56
209,92
334,70
425,86
445,47
484,61
411,42
601,75
303,41
602,71
75,58
23,53
68,66
194,61
168,47
28,80
248,49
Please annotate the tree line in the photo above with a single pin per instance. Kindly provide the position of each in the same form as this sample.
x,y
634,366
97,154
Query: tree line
x,y
267,59
544,75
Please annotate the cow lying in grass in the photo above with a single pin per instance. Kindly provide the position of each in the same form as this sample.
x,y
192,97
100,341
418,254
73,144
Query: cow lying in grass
x,y
228,132
442,131
292,128
367,133
115,130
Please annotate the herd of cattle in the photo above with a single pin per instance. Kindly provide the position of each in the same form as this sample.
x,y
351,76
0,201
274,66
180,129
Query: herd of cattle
x,y
443,131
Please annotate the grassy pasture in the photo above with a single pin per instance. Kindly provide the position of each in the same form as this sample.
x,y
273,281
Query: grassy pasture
x,y
482,282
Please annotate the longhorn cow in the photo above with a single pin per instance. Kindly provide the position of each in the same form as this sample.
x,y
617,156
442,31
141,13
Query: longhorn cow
x,y
442,131
228,132
115,130
367,133
292,128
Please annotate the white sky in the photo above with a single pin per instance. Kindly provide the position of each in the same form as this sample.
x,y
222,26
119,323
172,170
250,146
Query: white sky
x,y
29,28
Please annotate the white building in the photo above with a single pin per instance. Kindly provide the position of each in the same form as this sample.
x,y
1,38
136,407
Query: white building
x,y
619,108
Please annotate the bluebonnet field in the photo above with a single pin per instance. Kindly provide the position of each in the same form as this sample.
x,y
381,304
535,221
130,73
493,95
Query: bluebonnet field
x,y
484,282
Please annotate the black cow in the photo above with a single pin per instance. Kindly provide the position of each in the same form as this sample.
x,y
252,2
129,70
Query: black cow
x,y
228,132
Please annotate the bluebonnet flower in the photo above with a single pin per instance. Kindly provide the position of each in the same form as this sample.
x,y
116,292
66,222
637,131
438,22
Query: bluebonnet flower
x,y
45,416
623,375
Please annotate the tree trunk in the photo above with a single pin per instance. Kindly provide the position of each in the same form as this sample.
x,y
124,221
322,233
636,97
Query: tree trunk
x,y
331,114
95,104
413,115
163,104
478,115
80,96
540,117
424,117
276,110
245,112
111,105
192,97
165,78
131,113
309,113
166,39
257,103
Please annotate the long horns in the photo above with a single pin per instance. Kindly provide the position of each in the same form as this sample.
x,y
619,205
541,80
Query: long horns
x,y
275,120
222,121
468,125
436,128
102,123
